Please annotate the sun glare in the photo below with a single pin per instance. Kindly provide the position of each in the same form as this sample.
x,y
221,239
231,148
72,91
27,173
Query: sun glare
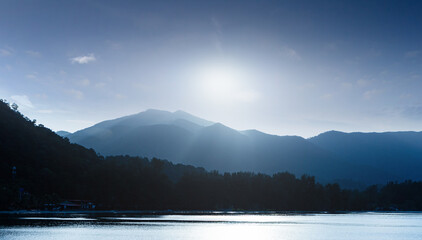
x,y
219,82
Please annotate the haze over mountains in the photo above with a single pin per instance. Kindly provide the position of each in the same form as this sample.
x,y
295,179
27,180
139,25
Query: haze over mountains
x,y
183,138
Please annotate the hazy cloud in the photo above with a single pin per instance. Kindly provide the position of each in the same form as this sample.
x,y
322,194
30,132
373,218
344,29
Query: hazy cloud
x,y
119,96
99,85
46,111
41,95
114,45
216,25
308,85
31,76
327,96
414,112
415,76
33,53
362,82
6,51
347,85
84,59
326,123
290,52
412,54
22,101
247,96
371,93
76,93
406,96
217,38
331,46
80,121
84,82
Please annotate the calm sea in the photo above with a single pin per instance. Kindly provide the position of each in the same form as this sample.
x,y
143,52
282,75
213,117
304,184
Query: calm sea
x,y
362,226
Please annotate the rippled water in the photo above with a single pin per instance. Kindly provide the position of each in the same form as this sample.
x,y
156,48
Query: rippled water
x,y
371,226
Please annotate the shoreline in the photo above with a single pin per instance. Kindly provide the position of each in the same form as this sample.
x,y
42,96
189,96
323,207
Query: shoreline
x,y
171,212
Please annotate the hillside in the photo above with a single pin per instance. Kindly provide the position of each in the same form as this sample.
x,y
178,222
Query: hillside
x,y
50,168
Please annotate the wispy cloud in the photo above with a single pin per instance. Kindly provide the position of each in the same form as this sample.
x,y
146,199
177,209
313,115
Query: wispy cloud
x,y
22,101
46,111
6,51
415,76
362,82
113,45
413,112
347,85
371,93
331,46
247,96
218,33
41,96
31,76
76,93
412,54
290,52
80,121
99,85
33,53
327,96
119,96
84,82
406,96
308,85
84,59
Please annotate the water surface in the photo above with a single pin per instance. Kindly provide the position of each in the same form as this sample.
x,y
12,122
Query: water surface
x,y
362,226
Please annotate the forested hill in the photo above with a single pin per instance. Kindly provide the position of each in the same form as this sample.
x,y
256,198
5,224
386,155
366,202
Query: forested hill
x,y
50,168
39,169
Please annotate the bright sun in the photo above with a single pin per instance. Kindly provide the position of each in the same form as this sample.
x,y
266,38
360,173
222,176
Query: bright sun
x,y
224,83
219,82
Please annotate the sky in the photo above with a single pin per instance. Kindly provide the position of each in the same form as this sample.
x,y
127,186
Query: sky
x,y
281,67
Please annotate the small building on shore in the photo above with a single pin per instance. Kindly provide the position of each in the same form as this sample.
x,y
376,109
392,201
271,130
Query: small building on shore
x,y
77,205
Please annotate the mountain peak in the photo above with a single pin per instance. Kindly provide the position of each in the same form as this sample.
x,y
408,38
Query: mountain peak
x,y
63,133
328,133
152,110
179,114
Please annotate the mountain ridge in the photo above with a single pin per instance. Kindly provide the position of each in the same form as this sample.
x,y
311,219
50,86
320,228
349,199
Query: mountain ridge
x,y
184,138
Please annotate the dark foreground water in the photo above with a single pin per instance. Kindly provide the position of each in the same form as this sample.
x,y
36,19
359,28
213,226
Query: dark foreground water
x,y
370,226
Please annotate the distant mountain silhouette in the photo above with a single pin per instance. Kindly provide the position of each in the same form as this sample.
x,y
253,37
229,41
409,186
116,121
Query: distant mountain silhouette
x,y
397,153
63,133
184,138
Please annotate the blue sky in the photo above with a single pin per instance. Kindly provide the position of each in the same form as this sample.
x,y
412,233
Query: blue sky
x,y
282,67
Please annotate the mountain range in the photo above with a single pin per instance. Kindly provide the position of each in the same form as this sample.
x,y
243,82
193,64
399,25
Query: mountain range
x,y
348,158
40,169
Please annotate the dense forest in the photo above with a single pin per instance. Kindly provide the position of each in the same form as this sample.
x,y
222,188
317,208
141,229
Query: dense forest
x,y
38,168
